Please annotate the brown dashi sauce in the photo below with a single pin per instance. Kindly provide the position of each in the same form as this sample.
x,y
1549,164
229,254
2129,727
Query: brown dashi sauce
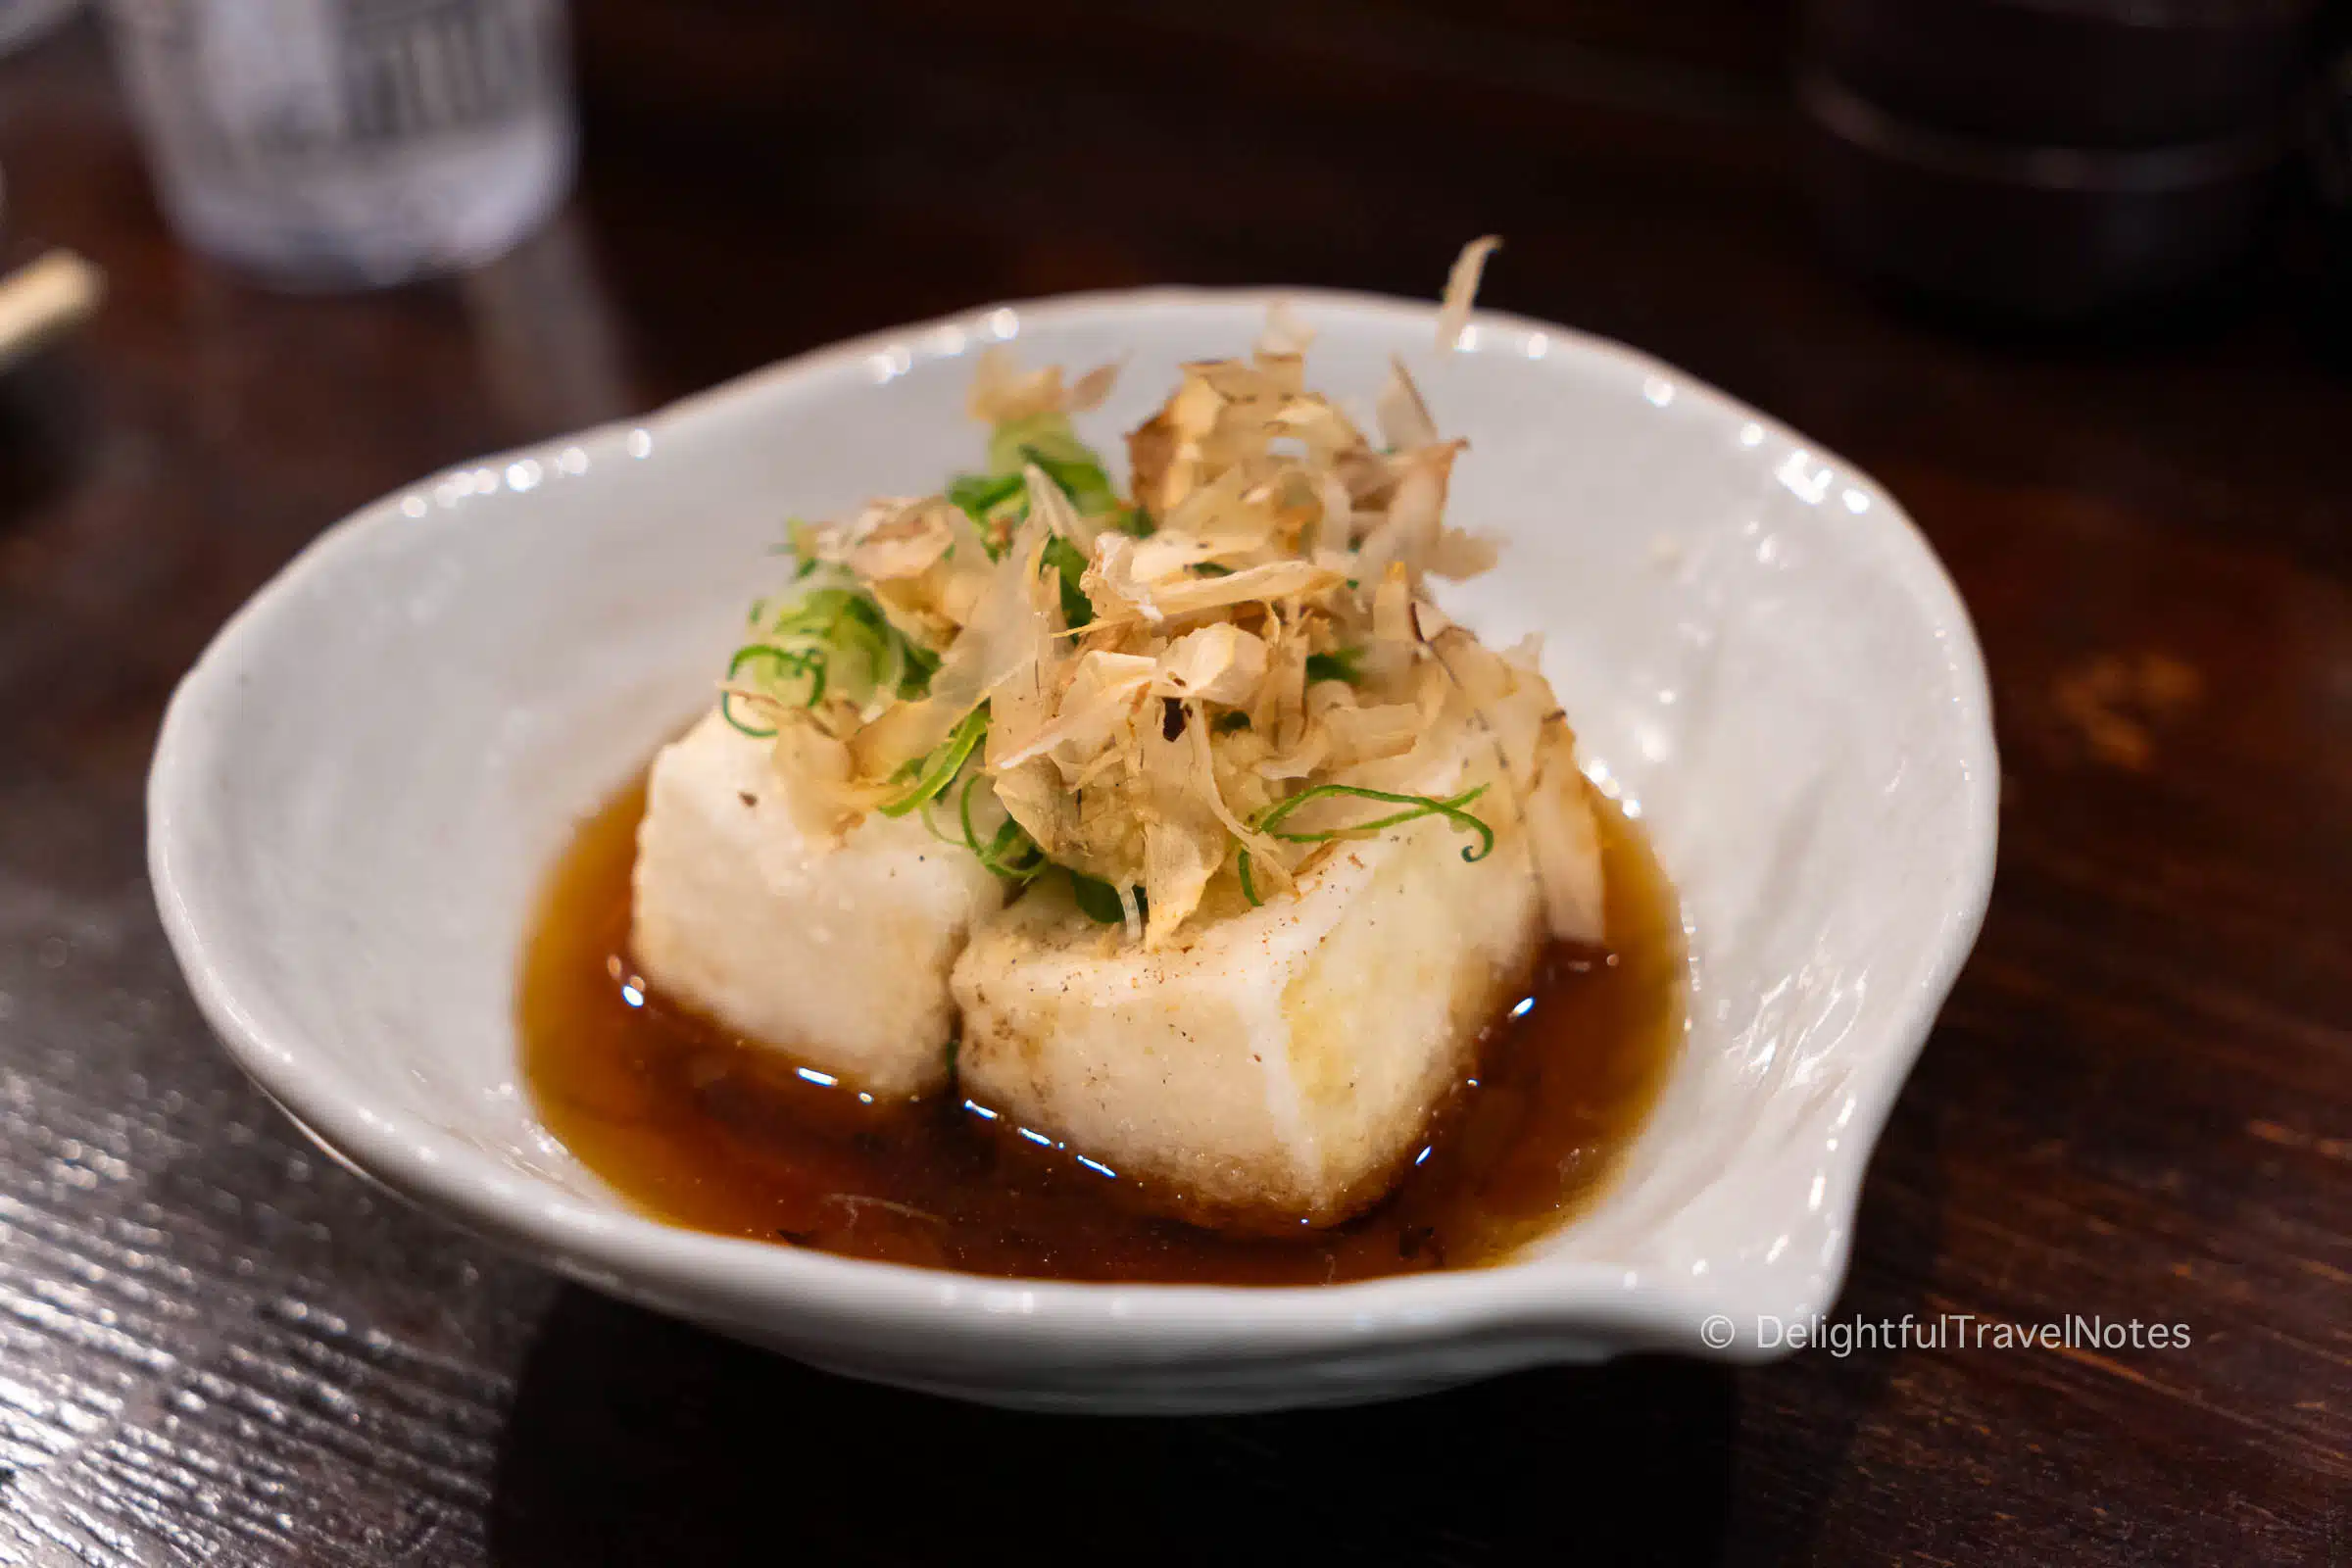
x,y
706,1130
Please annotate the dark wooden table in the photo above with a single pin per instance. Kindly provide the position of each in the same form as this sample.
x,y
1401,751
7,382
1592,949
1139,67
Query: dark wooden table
x,y
216,1345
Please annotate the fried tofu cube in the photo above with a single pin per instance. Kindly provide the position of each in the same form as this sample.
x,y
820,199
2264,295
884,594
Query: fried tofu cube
x,y
1271,1065
836,955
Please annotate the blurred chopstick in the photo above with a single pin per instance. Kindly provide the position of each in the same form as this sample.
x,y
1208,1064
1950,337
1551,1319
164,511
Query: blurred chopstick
x,y
43,298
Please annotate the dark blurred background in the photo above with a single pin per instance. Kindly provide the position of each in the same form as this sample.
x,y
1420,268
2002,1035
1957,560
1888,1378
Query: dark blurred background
x,y
2080,163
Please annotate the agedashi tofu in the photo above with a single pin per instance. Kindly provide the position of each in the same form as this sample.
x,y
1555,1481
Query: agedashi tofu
x,y
1174,825
1271,1065
836,953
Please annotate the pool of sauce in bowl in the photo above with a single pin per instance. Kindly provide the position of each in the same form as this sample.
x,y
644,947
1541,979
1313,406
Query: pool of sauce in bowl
x,y
699,1127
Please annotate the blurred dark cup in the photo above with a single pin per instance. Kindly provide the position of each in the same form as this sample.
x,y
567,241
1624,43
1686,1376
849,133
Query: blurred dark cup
x,y
2051,161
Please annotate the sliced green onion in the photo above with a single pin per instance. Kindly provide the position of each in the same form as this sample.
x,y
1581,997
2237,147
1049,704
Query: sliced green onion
x,y
938,770
804,662
935,830
890,674
1080,478
846,621
726,711
1048,440
1069,560
1416,805
1338,664
963,812
979,494
1010,839
1100,901
1013,839
921,665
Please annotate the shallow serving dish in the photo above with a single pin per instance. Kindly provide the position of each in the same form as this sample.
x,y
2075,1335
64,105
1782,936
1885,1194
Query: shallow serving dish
x,y
360,786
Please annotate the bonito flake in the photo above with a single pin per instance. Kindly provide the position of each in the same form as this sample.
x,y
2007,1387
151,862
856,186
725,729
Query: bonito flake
x,y
1132,686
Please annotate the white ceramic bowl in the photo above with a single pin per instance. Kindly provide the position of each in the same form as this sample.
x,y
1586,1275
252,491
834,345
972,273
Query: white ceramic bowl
x,y
360,784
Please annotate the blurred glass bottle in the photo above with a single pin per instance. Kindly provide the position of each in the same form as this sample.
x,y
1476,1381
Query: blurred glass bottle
x,y
329,144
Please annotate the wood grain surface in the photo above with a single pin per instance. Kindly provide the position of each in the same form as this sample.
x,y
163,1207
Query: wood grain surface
x,y
216,1345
